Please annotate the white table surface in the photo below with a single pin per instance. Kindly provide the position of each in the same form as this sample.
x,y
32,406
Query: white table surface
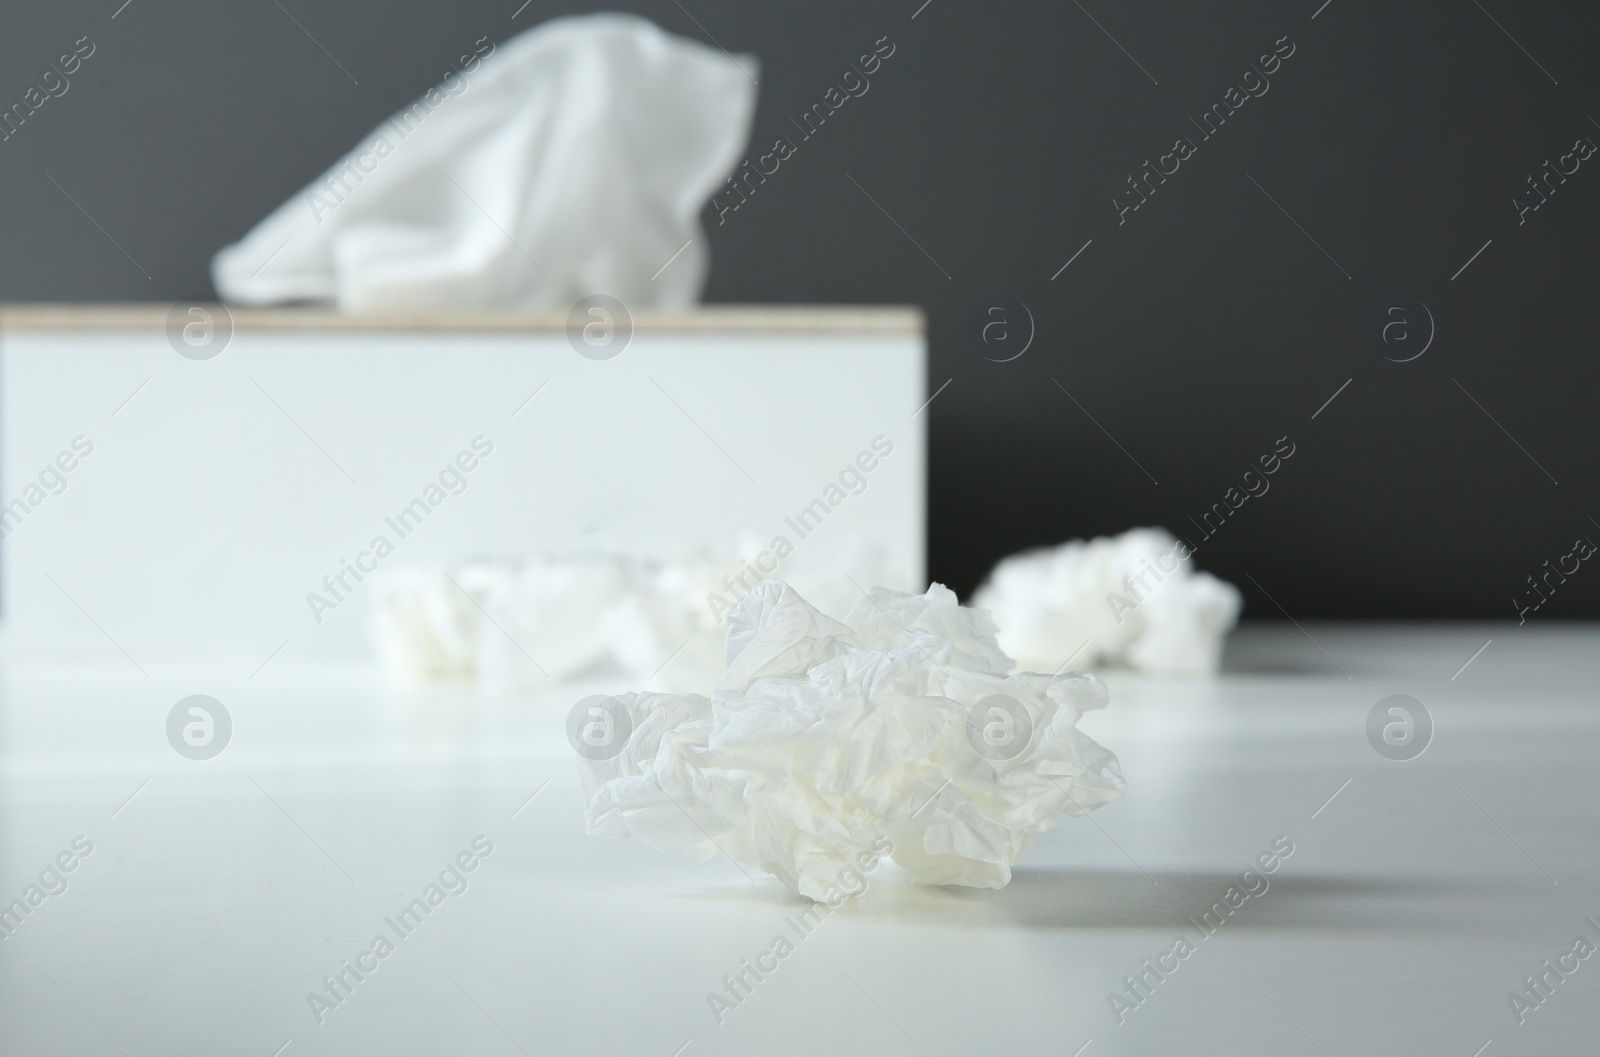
x,y
219,894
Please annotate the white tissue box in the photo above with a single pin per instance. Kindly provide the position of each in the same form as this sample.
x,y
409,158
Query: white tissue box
x,y
164,499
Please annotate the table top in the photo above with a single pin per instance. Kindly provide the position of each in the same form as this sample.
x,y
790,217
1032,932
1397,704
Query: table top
x,y
194,906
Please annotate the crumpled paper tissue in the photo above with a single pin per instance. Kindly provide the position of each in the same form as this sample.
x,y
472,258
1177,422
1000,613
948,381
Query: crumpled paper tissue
x,y
1133,600
652,615
828,743
573,159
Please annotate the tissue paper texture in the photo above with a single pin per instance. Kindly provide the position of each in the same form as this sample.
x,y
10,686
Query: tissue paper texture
x,y
1135,599
657,618
573,159
824,738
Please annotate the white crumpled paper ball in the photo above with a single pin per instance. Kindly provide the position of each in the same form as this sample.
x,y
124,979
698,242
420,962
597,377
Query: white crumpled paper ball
x,y
827,743
508,622
1133,599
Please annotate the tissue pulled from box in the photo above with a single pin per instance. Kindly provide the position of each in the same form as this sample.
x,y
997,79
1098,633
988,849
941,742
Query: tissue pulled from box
x,y
900,730
653,615
573,159
1132,600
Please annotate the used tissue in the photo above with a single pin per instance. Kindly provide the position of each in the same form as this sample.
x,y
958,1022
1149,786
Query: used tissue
x,y
573,159
828,742
655,617
1132,599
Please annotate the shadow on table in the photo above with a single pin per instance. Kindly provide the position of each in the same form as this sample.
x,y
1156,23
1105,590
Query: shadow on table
x,y
1285,651
1066,898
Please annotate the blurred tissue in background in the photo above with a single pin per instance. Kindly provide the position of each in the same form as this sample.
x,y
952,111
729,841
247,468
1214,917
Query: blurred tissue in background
x,y
573,159
1131,600
657,619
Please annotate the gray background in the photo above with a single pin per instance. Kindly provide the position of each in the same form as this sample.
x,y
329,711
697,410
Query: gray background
x,y
1189,338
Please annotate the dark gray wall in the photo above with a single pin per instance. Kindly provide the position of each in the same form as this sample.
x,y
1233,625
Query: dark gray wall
x,y
1215,319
